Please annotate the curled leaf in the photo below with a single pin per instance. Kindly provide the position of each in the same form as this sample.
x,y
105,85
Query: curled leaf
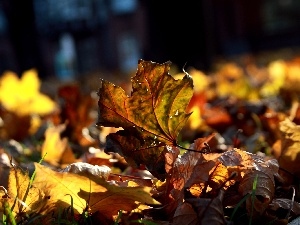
x,y
88,170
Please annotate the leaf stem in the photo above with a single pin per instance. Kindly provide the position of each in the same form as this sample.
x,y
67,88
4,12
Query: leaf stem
x,y
205,149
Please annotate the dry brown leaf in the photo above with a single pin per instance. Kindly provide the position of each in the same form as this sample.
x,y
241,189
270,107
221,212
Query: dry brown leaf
x,y
210,211
185,214
264,192
14,126
77,109
287,204
214,171
88,170
201,211
152,117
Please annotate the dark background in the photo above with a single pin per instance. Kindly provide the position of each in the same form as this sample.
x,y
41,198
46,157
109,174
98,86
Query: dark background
x,y
113,34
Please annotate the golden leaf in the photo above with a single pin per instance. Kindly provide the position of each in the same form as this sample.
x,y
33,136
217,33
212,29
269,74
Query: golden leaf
x,y
21,197
22,96
88,194
290,146
55,149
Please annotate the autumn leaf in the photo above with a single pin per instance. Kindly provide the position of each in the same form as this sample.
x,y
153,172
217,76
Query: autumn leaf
x,y
94,195
194,211
21,196
14,126
183,167
76,108
286,204
277,75
290,146
231,81
22,95
151,117
55,149
205,174
185,214
89,170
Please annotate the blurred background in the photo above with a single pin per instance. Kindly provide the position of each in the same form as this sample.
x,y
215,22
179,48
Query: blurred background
x,y
68,39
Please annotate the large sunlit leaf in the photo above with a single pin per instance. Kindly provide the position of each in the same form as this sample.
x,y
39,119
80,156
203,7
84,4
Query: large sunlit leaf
x,y
151,117
88,193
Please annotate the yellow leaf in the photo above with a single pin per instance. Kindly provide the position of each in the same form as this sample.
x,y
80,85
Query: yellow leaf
x,y
22,198
292,81
62,187
87,193
231,81
109,202
55,149
22,96
201,80
290,146
277,73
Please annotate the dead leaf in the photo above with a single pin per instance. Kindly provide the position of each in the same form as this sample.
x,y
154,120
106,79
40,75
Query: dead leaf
x,y
286,204
209,211
276,79
88,194
22,198
77,109
290,146
185,214
55,149
213,171
14,126
151,117
22,96
231,81
88,170
216,117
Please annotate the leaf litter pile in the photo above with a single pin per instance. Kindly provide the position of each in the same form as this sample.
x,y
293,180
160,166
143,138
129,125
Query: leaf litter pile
x,y
189,149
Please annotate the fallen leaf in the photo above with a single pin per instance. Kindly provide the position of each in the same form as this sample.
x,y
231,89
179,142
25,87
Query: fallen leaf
x,y
231,81
21,197
151,117
14,126
88,170
209,211
92,195
213,171
55,149
290,146
22,96
185,214
77,110
286,204
277,75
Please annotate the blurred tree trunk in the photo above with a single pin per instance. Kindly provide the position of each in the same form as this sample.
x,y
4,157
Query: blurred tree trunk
x,y
23,34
